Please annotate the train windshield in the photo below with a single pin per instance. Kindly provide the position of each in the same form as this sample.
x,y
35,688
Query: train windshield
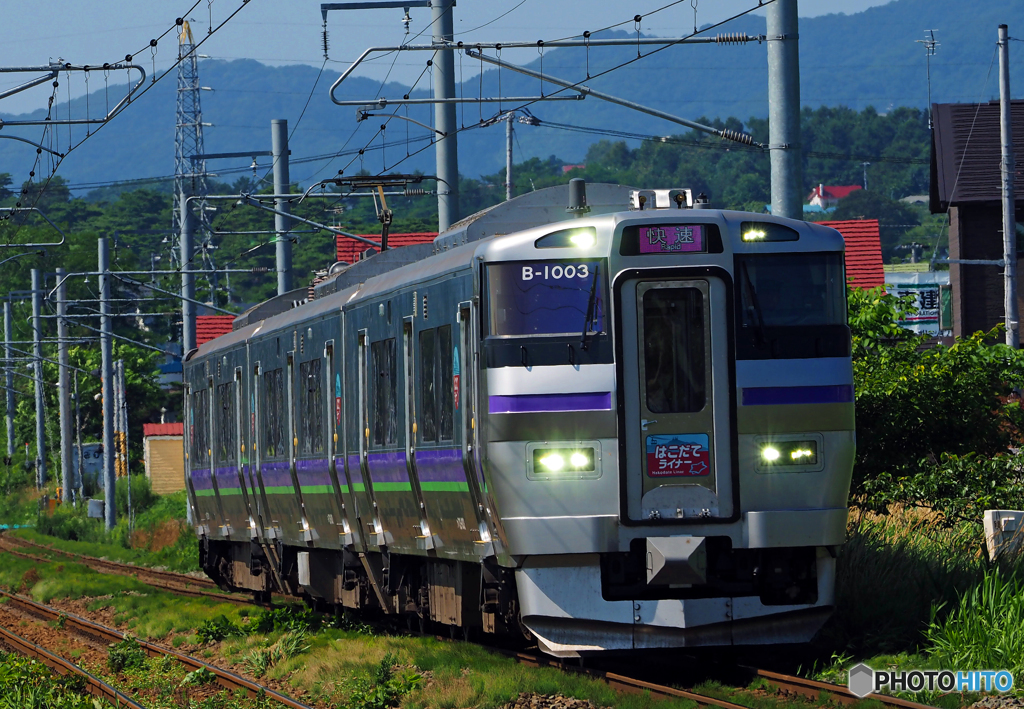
x,y
780,290
791,305
531,298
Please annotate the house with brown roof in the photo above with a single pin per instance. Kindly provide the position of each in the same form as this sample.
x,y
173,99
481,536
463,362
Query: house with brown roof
x,y
965,182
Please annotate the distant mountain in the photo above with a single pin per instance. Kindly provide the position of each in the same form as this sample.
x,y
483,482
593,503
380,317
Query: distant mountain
x,y
866,59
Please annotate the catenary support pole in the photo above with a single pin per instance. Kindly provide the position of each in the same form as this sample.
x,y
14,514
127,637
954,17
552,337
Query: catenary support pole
x,y
67,475
37,353
107,373
8,378
508,154
282,224
447,147
784,109
1006,168
188,282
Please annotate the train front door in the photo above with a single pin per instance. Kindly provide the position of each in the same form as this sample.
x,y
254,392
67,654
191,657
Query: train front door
x,y
676,385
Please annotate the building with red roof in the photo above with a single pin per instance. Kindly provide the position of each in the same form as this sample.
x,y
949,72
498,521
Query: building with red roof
x,y
162,447
349,249
826,196
863,251
210,326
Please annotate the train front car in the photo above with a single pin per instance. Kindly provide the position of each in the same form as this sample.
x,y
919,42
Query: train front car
x,y
668,432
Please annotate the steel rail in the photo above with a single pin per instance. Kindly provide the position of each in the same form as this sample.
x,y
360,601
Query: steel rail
x,y
226,679
813,689
94,685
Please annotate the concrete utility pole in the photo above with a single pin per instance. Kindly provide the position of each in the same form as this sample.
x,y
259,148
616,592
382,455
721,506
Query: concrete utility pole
x,y
1006,167
279,148
8,378
784,109
37,354
447,147
67,480
188,283
509,117
107,373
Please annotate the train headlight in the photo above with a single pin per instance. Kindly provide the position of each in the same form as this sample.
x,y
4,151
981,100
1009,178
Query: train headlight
x,y
553,462
754,235
583,239
564,461
793,452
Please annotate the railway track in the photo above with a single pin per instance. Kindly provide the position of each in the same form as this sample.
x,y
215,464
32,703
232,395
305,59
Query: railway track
x,y
178,583
227,680
181,584
93,685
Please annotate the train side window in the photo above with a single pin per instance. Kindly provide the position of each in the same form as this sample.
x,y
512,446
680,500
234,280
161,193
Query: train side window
x,y
311,434
225,422
428,403
385,404
273,414
674,365
200,430
445,383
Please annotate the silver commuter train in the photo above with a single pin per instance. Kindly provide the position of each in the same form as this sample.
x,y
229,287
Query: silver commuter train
x,y
619,425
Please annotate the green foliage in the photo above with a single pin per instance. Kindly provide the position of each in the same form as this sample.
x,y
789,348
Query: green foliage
x,y
287,618
142,496
215,629
384,688
126,655
985,629
928,420
27,684
197,678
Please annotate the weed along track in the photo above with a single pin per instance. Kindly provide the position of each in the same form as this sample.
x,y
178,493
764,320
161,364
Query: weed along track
x,y
181,584
94,631
93,685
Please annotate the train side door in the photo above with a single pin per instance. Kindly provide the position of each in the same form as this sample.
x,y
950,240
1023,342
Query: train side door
x,y
677,407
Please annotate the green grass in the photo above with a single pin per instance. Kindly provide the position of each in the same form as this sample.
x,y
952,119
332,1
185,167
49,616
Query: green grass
x,y
71,530
27,683
146,611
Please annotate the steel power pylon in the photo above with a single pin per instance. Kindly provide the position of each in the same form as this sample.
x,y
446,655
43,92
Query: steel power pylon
x,y
189,151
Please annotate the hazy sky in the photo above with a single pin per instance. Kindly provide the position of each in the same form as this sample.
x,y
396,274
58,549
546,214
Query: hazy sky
x,y
290,32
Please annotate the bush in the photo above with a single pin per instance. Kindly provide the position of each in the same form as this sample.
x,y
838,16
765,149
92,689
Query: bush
x,y
143,496
918,407
126,655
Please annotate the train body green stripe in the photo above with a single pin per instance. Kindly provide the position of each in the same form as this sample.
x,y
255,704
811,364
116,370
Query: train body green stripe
x,y
445,487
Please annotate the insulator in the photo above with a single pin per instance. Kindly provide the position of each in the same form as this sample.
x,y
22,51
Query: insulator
x,y
732,38
737,136
325,42
414,191
260,269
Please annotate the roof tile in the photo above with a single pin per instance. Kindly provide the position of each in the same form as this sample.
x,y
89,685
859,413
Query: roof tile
x,y
163,429
348,250
863,251
209,327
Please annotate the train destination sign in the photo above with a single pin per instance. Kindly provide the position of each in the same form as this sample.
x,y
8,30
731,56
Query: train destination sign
x,y
671,239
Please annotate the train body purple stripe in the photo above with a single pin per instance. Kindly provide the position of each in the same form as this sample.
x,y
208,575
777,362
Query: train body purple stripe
x,y
767,396
388,467
440,466
537,403
275,474
313,472
201,479
354,471
227,478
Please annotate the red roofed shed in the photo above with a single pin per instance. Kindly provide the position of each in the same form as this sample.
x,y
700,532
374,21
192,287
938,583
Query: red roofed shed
x,y
829,195
164,455
863,251
211,326
349,249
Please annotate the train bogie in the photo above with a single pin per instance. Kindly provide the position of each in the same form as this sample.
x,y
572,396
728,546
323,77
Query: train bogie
x,y
625,429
